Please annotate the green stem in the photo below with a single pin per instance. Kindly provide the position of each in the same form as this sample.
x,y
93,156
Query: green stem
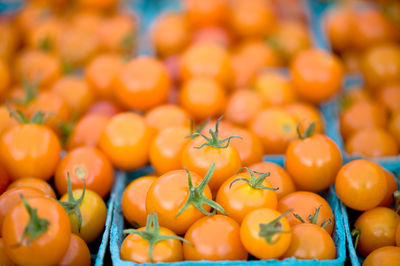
x,y
356,235
254,182
269,230
309,131
195,132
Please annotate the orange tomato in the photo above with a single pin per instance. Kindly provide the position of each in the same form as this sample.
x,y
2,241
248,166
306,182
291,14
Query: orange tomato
x,y
305,114
85,165
10,40
35,183
31,15
142,83
46,34
4,179
6,121
217,34
167,115
208,60
100,73
355,94
202,97
29,150
305,204
77,253
243,105
97,4
133,201
372,143
275,127
4,258
166,149
86,19
202,13
5,78
361,185
105,107
383,256
316,75
391,188
214,238
394,127
337,22
389,96
313,162
126,141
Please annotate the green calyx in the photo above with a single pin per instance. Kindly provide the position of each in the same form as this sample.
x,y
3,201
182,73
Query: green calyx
x,y
254,182
152,234
214,140
38,118
313,218
195,132
309,131
355,234
197,198
36,225
66,128
30,90
269,230
396,196
45,44
72,205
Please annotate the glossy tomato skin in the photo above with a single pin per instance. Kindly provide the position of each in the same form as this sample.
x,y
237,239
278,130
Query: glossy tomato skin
x,y
107,108
4,258
94,214
310,241
361,185
133,202
313,162
46,249
279,177
166,115
35,183
391,188
377,229
166,197
383,256
29,150
77,253
126,141
258,246
227,161
306,114
214,238
305,203
136,249
85,165
4,179
240,198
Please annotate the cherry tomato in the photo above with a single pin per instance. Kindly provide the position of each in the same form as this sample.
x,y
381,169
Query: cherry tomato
x,y
10,39
305,114
310,241
97,4
377,228
6,121
202,13
35,183
305,204
4,179
142,83
46,34
214,238
383,256
5,77
278,177
391,188
4,258
105,108
165,116
29,150
133,201
85,165
256,235
216,34
77,253
245,192
313,162
361,185
398,235
51,223
93,211
126,141
394,127
389,96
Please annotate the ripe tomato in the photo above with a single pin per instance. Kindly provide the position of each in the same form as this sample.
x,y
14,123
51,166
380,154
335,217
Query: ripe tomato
x,y
133,201
275,88
275,127
259,235
46,34
305,114
170,34
35,183
77,253
202,97
87,131
85,165
310,241
75,92
51,222
214,238
10,39
105,107
360,115
166,149
202,13
216,34
245,192
206,59
6,121
398,235
372,143
389,96
126,141
376,228
97,4
167,196
4,258
337,22
100,73
29,150
93,212
151,244
313,161
167,115
252,18
394,127
383,256
391,188
316,75
142,83
305,204
243,105
278,177
4,179
5,77
361,185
